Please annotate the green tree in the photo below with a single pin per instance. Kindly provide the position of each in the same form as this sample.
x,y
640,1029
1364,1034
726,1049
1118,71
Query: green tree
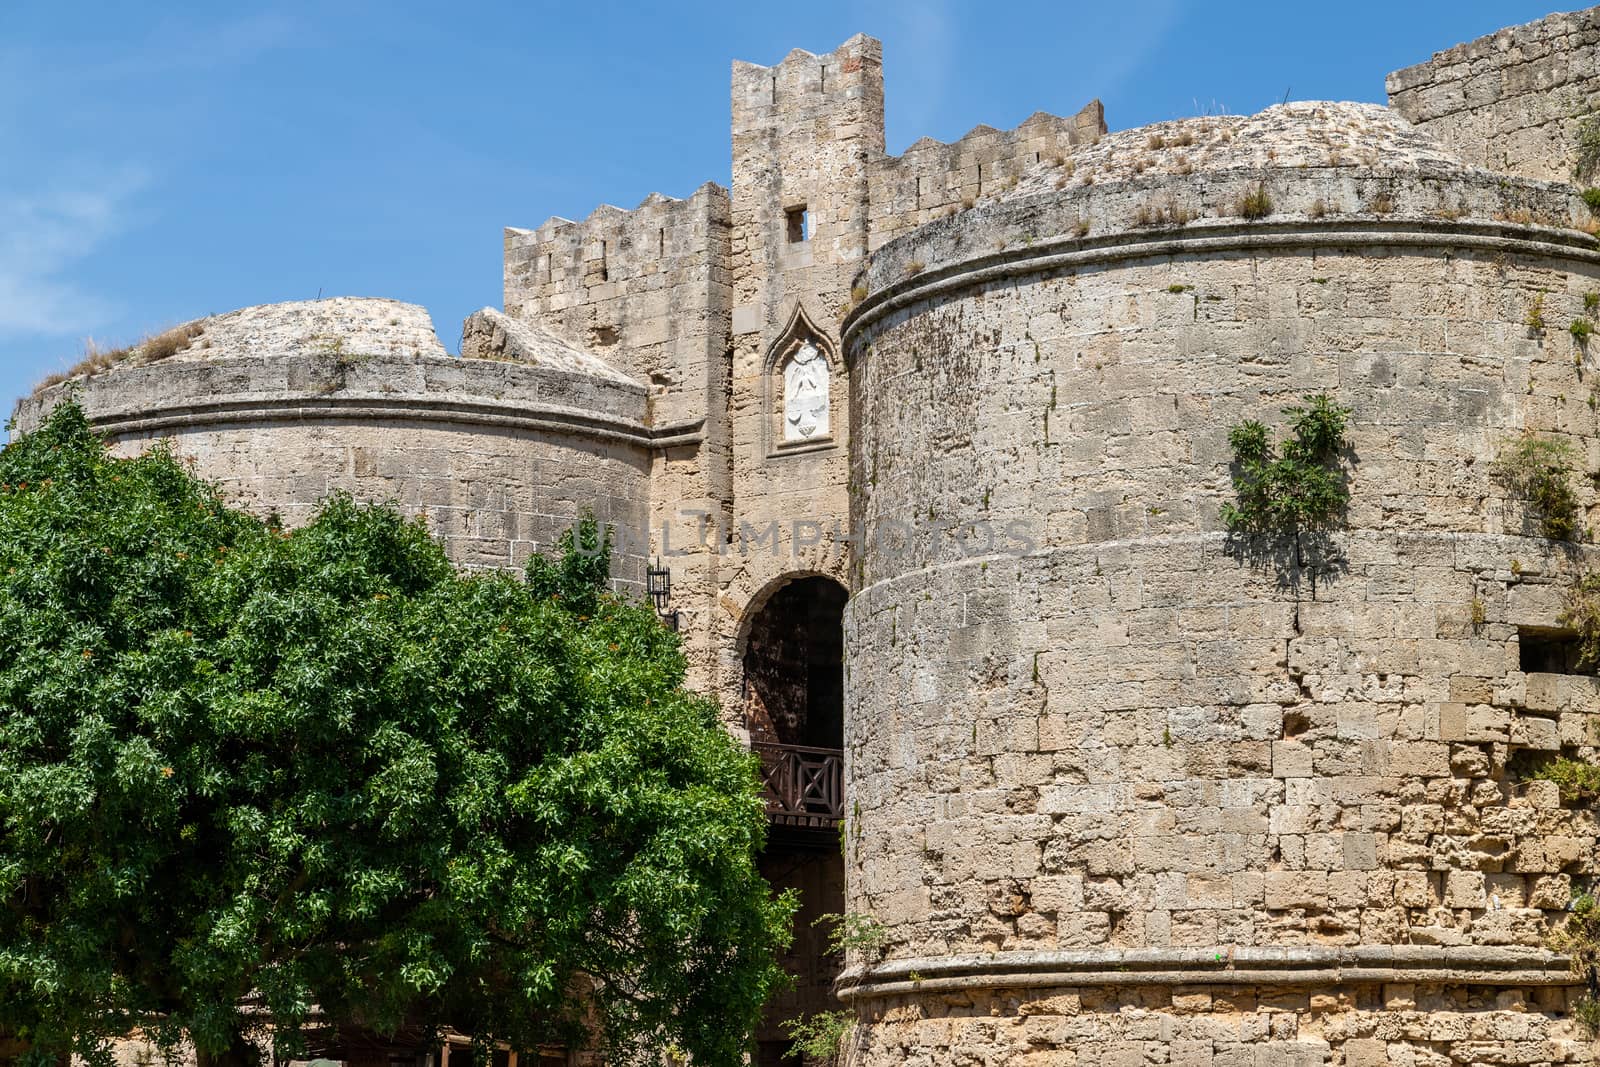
x,y
322,768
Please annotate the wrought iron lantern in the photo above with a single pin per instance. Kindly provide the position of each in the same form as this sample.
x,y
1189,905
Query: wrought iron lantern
x,y
658,583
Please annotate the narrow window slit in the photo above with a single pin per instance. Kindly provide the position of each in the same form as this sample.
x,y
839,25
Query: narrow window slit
x,y
797,224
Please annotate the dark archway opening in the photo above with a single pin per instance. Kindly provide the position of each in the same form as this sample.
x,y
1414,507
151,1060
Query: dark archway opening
x,y
794,710
793,666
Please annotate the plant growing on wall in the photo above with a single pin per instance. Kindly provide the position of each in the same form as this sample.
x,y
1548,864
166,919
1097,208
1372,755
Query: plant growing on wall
x,y
820,1038
1587,150
853,932
1538,471
1253,203
1293,486
1288,495
1580,612
1577,779
1579,940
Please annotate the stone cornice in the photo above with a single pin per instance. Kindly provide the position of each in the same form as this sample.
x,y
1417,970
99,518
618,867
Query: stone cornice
x,y
169,397
447,409
1225,965
1212,238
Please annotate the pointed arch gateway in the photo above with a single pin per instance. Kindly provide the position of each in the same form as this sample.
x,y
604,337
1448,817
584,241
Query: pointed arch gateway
x,y
791,647
802,386
792,654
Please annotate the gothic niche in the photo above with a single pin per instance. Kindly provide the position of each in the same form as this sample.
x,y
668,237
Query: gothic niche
x,y
805,395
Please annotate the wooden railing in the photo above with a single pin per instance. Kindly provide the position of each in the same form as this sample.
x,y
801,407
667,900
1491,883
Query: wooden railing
x,y
804,786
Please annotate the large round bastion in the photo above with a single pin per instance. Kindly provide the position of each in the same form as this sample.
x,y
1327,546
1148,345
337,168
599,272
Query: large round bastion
x,y
1125,791
283,404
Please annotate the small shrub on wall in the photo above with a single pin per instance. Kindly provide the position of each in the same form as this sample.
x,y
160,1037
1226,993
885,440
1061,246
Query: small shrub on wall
x,y
1537,470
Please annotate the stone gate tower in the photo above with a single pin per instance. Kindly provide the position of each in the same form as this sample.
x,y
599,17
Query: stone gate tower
x,y
934,446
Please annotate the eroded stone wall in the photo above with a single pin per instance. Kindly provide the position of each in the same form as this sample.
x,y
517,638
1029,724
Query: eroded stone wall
x,y
1510,101
649,290
1125,790
497,457
932,179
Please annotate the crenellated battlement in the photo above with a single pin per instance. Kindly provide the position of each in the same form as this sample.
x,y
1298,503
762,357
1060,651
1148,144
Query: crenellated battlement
x,y
565,264
643,289
933,178
945,500
802,79
1513,101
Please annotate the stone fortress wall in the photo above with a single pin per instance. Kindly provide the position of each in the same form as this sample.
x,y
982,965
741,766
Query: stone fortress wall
x,y
808,134
931,179
284,404
1121,794
1510,101
650,290
1137,794
704,298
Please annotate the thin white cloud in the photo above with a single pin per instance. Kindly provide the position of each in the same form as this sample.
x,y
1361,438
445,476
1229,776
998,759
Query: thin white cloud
x,y
58,207
182,46
44,235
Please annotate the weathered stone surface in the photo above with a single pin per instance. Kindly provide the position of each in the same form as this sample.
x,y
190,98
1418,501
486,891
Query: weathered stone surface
x,y
291,402
1122,788
1511,101
491,334
338,325
1011,369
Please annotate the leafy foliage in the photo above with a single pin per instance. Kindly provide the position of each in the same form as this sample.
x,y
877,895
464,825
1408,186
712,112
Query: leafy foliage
x,y
324,768
1296,486
1577,779
853,932
580,570
820,1038
1588,146
1581,613
1579,939
1537,470
1587,1012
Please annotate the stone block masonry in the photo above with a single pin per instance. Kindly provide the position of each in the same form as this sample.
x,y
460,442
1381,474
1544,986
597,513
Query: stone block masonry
x,y
283,405
931,179
1144,795
1511,101
1125,789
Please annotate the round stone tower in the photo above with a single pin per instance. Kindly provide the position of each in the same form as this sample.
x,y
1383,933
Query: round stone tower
x,y
1127,790
284,404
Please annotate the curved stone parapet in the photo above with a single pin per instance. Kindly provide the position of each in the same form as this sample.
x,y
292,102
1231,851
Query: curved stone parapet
x,y
283,405
1125,788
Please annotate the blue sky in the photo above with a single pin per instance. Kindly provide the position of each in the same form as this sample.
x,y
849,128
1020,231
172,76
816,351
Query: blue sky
x,y
161,161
